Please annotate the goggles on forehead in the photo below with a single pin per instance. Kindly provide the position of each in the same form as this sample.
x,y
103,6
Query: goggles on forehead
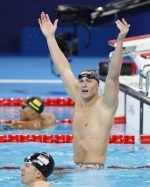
x,y
27,160
89,75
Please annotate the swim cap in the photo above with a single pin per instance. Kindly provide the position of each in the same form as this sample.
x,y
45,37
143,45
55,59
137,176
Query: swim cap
x,y
36,103
42,161
90,74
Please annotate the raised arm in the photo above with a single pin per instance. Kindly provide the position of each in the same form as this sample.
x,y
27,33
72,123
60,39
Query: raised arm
x,y
111,90
59,59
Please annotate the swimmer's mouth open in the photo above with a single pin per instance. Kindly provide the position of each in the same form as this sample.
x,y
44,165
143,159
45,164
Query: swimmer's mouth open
x,y
84,90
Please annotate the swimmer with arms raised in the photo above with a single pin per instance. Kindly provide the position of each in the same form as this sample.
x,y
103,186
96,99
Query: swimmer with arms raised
x,y
93,114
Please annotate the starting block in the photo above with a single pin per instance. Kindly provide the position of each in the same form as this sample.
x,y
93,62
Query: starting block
x,y
138,49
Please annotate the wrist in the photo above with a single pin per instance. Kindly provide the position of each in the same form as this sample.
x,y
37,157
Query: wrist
x,y
50,37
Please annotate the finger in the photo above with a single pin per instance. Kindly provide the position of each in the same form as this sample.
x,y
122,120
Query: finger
x,y
43,18
124,21
119,22
56,22
47,18
121,25
39,20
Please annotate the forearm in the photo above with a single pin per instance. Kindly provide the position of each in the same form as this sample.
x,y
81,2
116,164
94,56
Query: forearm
x,y
116,60
112,80
57,56
25,125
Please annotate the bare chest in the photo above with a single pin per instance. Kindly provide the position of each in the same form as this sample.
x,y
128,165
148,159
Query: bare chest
x,y
92,119
85,118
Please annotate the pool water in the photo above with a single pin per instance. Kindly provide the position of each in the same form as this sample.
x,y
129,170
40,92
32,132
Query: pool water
x,y
126,156
118,155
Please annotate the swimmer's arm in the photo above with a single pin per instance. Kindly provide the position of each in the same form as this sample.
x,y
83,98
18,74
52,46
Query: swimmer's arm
x,y
26,125
5,121
111,90
63,68
48,120
59,59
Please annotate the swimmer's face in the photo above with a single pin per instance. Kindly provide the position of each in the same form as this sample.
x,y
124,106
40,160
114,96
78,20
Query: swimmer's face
x,y
88,87
29,174
26,112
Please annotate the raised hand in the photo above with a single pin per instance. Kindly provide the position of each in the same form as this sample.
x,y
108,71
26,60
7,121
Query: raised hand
x,y
123,27
47,28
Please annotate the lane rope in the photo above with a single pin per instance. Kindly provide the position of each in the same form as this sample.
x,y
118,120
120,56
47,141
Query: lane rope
x,y
60,168
60,138
117,120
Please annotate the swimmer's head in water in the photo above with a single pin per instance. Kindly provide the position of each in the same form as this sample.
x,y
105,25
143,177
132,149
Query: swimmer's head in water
x,y
35,103
90,74
42,161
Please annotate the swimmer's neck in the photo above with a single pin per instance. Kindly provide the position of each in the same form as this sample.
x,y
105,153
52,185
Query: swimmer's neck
x,y
87,102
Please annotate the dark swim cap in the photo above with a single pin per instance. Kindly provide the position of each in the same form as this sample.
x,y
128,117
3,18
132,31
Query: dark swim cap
x,y
35,103
90,74
42,161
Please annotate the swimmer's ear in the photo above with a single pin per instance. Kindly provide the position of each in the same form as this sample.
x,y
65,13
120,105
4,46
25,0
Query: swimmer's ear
x,y
38,174
32,112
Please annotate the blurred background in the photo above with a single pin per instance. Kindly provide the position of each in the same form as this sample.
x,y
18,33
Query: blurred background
x,y
20,34
84,29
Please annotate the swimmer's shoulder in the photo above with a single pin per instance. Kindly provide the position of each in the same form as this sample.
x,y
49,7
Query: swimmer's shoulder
x,y
47,115
41,183
47,120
